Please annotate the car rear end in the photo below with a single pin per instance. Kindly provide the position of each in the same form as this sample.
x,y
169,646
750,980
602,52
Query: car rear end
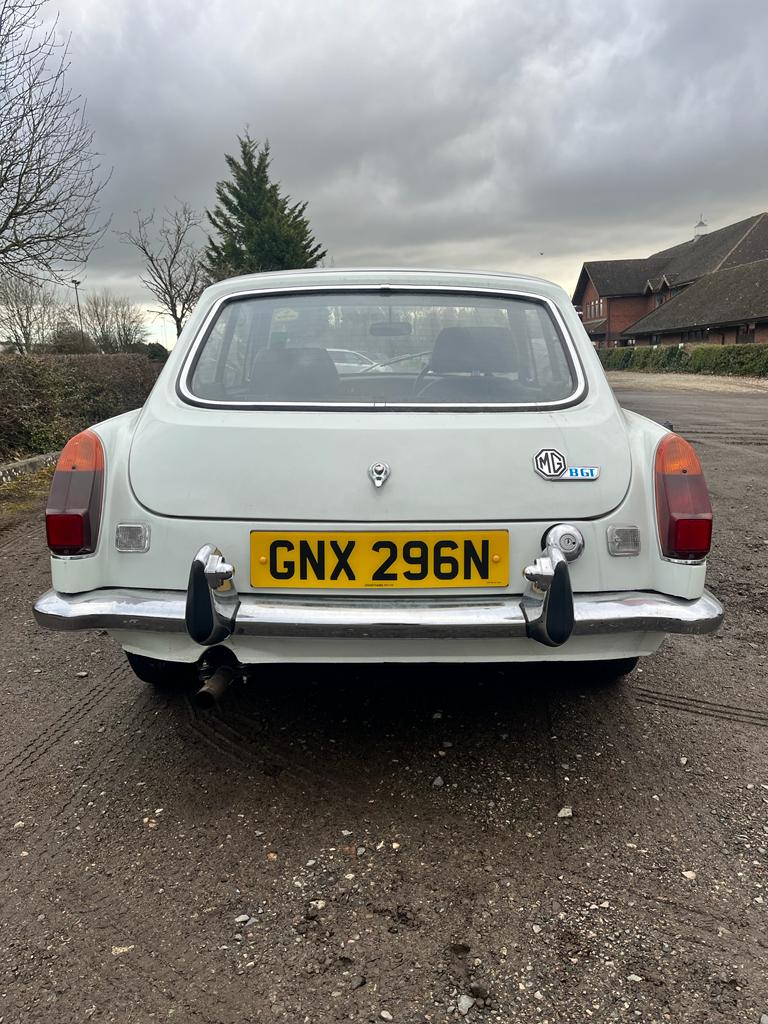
x,y
483,499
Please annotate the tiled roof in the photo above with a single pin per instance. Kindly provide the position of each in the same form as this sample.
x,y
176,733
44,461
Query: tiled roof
x,y
619,277
731,246
595,326
736,295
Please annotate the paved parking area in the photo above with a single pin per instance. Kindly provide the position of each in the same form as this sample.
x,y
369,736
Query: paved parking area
x,y
385,844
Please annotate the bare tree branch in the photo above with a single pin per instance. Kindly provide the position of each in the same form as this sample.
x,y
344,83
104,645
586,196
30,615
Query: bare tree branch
x,y
173,268
50,176
113,322
29,313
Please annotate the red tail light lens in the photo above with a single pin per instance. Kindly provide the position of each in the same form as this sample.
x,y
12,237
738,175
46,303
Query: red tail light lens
x,y
683,509
74,504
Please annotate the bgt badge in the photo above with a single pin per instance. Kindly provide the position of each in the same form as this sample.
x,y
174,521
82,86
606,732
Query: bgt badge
x,y
553,465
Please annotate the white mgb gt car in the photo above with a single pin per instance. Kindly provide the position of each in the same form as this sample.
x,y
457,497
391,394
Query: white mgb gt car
x,y
484,498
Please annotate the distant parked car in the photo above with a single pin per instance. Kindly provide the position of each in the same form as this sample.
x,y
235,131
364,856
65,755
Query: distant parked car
x,y
485,500
347,361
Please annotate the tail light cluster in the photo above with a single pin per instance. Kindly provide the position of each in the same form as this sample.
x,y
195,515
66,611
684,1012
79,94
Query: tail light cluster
x,y
74,505
683,510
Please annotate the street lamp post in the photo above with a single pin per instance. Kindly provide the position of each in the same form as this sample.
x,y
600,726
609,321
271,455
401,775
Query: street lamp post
x,y
79,314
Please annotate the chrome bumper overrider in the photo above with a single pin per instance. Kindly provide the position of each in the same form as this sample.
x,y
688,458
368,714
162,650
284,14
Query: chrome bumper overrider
x,y
400,617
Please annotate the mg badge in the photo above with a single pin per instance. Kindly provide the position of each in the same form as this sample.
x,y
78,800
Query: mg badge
x,y
549,463
553,465
379,473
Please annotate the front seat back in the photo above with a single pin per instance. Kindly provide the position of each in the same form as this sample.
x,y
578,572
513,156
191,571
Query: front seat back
x,y
284,374
474,350
464,362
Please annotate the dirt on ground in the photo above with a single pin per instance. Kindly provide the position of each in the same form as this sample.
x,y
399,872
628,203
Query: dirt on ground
x,y
23,496
686,382
406,845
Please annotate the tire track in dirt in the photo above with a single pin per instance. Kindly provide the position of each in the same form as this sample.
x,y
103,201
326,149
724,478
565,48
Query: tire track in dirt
x,y
53,858
670,918
610,718
250,747
699,706
658,798
28,537
44,743
94,764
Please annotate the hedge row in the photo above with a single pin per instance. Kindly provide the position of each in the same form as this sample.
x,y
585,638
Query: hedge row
x,y
736,360
46,399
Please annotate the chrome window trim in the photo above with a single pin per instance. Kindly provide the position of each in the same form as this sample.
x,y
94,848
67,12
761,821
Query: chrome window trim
x,y
187,368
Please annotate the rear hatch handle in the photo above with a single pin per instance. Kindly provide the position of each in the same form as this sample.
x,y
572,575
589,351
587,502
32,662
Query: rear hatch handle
x,y
547,602
212,599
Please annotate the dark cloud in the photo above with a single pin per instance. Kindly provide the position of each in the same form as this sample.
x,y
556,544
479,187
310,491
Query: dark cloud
x,y
447,133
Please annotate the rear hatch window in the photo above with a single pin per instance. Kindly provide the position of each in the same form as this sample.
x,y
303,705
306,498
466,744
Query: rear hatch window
x,y
374,349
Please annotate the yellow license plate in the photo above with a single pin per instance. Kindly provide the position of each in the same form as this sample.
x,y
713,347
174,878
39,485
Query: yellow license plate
x,y
380,561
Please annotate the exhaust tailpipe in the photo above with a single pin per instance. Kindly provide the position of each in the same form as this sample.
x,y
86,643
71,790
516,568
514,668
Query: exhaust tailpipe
x,y
214,688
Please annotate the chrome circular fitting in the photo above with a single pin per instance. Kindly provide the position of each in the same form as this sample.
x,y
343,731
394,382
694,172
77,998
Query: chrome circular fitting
x,y
567,538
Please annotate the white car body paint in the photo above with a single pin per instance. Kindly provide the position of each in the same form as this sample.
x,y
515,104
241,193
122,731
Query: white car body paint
x,y
198,475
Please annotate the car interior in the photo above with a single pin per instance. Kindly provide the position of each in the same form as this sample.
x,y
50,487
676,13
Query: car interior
x,y
520,361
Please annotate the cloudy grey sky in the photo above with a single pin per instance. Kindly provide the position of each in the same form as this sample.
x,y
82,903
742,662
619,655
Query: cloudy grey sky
x,y
476,133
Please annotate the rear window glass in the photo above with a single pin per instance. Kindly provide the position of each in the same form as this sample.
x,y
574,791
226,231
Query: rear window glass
x,y
382,350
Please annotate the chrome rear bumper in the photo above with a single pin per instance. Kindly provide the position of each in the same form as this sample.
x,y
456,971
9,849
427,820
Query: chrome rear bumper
x,y
400,617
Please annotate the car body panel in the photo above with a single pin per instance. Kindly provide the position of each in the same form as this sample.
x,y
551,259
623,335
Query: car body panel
x,y
276,465
197,476
175,539
311,464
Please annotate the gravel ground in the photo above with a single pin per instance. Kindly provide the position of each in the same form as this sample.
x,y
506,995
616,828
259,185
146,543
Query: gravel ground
x,y
393,844
686,382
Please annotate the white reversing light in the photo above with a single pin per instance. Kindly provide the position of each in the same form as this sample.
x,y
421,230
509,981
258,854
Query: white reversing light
x,y
132,537
623,541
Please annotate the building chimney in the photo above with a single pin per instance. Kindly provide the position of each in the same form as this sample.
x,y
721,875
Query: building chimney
x,y
700,228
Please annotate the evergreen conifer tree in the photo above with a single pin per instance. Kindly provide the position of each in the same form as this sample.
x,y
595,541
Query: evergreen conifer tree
x,y
258,228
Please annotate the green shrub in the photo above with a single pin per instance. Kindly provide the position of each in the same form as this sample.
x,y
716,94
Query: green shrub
x,y
740,360
642,359
616,358
729,360
47,399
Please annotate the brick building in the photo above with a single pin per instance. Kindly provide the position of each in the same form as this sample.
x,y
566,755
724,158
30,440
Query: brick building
x,y
711,288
